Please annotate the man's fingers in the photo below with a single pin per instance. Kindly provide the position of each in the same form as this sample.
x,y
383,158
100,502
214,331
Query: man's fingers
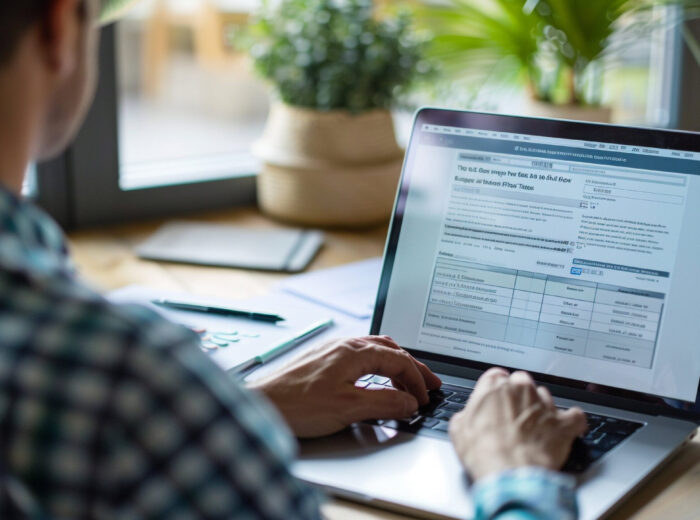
x,y
382,404
489,380
395,364
382,340
573,421
493,377
524,392
546,396
522,378
432,382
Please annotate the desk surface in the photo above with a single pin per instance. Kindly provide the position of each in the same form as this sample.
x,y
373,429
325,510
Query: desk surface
x,y
106,259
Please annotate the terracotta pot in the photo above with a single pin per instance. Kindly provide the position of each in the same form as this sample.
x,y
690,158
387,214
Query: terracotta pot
x,y
599,114
328,168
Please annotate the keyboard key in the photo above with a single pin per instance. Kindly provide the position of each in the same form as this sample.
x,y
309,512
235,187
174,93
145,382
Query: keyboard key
x,y
366,377
595,454
608,441
444,415
618,428
440,395
362,384
409,424
458,398
441,426
592,435
380,380
429,422
450,407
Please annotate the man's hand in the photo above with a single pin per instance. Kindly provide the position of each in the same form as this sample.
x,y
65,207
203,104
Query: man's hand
x,y
316,394
510,423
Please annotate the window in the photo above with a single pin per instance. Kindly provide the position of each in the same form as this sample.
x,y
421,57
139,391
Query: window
x,y
148,147
189,105
177,109
638,76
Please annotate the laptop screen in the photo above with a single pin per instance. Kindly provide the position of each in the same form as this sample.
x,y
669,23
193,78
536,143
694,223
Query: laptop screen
x,y
568,250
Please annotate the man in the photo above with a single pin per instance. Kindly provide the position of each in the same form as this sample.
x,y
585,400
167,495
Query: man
x,y
111,412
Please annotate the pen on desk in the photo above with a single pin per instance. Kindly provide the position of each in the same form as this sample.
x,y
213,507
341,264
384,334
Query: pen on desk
x,y
225,311
248,366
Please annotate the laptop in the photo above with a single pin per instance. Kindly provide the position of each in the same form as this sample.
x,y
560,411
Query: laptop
x,y
566,249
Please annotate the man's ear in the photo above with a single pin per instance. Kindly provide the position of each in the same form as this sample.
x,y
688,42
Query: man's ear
x,y
61,30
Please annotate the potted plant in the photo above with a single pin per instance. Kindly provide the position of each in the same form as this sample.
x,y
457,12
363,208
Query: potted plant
x,y
111,10
555,47
329,151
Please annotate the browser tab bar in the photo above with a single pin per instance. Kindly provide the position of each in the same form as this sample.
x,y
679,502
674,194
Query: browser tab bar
x,y
591,145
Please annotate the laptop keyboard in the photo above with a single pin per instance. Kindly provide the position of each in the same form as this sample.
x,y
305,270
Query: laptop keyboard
x,y
604,433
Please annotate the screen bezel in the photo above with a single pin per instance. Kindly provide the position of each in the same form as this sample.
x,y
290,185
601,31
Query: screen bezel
x,y
655,138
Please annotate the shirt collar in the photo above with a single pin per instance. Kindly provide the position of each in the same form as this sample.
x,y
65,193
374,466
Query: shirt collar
x,y
30,241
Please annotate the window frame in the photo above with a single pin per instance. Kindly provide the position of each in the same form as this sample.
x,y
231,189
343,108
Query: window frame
x,y
688,99
82,187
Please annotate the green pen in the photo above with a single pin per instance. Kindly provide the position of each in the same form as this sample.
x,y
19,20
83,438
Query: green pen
x,y
258,361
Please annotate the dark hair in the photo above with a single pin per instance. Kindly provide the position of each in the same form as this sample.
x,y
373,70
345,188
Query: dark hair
x,y
16,16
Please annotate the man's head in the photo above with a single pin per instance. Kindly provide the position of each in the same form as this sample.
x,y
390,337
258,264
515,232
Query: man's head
x,y
48,65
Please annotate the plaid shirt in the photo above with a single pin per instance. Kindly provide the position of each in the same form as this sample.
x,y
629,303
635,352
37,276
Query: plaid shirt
x,y
111,412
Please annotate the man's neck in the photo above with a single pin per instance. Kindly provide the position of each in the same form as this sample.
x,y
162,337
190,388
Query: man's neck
x,y
19,120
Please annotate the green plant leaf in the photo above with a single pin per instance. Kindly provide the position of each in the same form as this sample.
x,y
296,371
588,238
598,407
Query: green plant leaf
x,y
557,42
328,55
110,10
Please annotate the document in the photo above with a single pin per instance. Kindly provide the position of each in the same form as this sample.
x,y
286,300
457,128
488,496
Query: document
x,y
351,288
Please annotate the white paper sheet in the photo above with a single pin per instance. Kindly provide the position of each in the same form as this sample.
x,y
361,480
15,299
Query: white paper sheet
x,y
351,288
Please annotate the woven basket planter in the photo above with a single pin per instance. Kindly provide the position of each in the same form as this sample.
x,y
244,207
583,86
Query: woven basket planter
x,y
330,169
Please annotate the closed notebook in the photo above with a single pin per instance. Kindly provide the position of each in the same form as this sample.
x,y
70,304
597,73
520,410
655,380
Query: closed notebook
x,y
288,250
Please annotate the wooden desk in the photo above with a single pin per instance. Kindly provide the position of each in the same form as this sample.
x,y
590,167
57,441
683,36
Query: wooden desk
x,y
106,260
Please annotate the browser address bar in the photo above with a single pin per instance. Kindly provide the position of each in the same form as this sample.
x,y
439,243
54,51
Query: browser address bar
x,y
546,164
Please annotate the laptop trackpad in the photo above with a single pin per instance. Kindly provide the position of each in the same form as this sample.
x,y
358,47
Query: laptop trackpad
x,y
355,441
387,468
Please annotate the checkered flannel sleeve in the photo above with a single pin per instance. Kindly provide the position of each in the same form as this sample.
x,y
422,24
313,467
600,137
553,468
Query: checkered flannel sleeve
x,y
525,494
187,442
